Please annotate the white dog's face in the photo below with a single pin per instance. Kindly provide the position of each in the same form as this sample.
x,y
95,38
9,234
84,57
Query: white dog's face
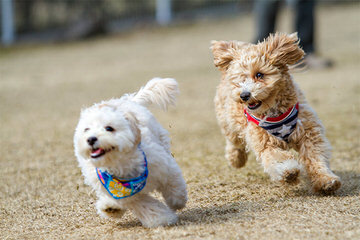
x,y
103,133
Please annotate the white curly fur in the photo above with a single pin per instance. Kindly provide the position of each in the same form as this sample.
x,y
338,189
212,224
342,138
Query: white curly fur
x,y
133,123
278,170
162,95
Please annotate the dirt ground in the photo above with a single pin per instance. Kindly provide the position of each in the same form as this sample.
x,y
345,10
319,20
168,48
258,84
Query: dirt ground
x,y
42,89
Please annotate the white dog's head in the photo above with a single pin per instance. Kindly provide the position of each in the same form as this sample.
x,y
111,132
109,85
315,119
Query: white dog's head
x,y
104,132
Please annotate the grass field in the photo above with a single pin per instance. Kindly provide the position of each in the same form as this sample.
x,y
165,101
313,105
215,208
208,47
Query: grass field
x,y
42,89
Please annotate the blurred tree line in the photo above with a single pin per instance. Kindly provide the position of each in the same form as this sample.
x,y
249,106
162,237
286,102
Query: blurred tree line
x,y
74,19
35,15
82,18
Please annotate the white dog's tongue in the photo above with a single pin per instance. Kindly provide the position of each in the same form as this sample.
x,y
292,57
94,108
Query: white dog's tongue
x,y
97,151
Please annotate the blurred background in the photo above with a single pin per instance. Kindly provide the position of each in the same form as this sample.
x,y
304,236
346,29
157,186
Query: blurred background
x,y
58,56
60,20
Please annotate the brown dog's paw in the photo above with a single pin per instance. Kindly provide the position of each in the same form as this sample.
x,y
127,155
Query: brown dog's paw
x,y
327,185
291,176
237,158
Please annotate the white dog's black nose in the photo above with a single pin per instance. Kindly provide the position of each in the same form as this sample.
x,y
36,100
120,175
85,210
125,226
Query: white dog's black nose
x,y
92,140
245,96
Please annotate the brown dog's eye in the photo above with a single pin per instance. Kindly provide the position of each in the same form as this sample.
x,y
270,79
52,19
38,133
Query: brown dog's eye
x,y
109,129
236,84
259,75
86,129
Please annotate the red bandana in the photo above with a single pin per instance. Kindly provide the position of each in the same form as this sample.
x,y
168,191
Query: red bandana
x,y
281,126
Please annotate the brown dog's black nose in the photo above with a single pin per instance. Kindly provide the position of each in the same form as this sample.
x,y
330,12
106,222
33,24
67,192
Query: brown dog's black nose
x,y
245,96
92,140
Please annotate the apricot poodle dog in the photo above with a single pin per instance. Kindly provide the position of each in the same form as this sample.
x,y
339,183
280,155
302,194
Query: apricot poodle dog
x,y
260,107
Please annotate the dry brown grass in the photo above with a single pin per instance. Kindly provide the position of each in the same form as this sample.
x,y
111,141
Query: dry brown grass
x,y
42,195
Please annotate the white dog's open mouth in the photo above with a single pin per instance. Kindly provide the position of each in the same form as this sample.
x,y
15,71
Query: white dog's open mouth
x,y
98,152
253,106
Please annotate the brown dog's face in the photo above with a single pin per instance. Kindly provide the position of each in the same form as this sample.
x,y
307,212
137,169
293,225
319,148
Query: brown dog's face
x,y
257,72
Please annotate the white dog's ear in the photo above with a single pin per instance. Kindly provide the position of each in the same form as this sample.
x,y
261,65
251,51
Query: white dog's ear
x,y
133,122
224,52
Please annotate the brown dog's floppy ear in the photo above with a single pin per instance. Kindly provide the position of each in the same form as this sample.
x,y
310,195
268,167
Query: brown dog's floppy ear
x,y
283,49
224,52
133,122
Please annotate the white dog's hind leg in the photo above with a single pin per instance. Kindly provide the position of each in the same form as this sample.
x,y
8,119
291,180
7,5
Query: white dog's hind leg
x,y
174,191
108,208
151,212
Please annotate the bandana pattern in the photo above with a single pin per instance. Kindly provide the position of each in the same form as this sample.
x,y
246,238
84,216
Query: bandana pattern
x,y
120,188
281,126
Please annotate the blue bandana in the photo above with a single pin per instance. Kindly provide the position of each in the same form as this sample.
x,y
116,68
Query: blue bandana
x,y
120,188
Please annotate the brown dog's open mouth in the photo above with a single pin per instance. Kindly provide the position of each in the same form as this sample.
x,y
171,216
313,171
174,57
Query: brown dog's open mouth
x,y
98,152
254,106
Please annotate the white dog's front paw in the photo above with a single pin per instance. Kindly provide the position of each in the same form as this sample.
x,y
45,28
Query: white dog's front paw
x,y
287,171
160,219
111,212
107,209
153,213
177,203
175,194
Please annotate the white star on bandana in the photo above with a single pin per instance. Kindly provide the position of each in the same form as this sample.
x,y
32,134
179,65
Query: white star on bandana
x,y
284,130
281,126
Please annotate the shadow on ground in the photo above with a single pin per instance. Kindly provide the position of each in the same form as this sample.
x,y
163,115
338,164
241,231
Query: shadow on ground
x,y
350,186
218,213
207,215
242,209
350,183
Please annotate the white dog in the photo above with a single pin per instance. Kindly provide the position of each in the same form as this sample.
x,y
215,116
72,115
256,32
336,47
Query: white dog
x,y
124,154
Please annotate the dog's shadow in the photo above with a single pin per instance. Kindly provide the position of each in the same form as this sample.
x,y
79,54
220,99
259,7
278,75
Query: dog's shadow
x,y
207,215
350,183
218,213
245,209
350,186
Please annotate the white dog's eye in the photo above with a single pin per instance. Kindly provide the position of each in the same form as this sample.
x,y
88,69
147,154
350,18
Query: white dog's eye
x,y
109,129
86,129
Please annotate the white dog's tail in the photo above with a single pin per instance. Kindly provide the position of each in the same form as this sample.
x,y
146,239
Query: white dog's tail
x,y
159,91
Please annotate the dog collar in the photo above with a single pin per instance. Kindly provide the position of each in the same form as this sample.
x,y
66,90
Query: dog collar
x,y
281,126
120,188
